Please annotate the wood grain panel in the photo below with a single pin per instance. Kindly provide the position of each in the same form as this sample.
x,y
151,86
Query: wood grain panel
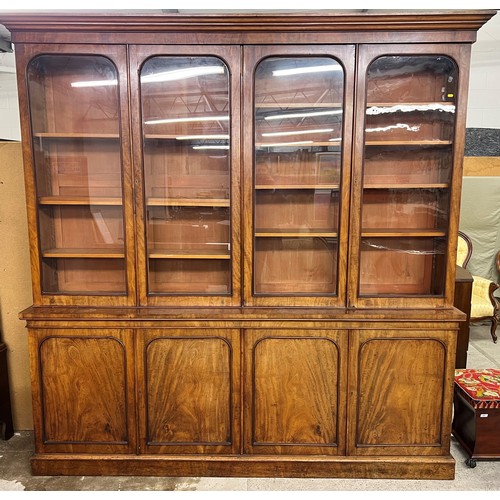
x,y
188,394
83,382
434,468
72,276
401,382
296,265
296,405
407,165
308,209
397,266
482,166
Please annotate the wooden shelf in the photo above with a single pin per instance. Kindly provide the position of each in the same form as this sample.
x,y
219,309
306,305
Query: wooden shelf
x,y
188,202
189,254
297,186
391,104
79,200
163,137
442,185
174,137
401,233
295,233
430,142
84,253
306,144
74,135
282,105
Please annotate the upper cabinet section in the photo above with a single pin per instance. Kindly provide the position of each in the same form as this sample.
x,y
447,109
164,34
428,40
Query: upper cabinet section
x,y
257,160
411,103
189,109
78,167
300,107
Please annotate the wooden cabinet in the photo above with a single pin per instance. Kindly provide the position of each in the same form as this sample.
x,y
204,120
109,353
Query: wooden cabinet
x,y
243,233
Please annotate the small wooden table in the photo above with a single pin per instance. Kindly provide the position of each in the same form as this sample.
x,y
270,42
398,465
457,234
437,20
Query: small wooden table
x,y
6,424
463,294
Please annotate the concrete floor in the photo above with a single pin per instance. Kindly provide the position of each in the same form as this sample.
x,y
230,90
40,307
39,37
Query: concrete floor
x,y
15,469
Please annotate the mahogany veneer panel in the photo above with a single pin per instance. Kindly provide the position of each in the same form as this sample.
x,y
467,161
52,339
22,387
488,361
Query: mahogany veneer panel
x,y
402,385
295,265
296,401
190,391
85,389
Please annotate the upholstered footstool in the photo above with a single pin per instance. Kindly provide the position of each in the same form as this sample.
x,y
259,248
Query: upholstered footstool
x,y
476,420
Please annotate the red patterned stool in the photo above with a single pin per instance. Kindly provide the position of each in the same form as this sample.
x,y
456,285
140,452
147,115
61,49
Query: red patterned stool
x,y
476,420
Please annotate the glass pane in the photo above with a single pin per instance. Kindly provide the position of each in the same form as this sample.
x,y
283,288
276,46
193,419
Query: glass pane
x,y
298,136
76,133
185,111
409,130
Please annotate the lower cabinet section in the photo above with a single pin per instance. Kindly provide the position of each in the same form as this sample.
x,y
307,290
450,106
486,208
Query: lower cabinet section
x,y
244,399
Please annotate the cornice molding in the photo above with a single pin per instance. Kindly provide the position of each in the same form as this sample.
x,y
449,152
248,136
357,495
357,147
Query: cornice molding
x,y
315,21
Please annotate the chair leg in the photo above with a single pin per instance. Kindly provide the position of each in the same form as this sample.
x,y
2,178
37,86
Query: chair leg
x,y
494,324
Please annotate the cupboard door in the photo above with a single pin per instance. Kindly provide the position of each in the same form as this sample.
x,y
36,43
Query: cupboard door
x,y
189,394
400,392
188,146
79,186
408,169
294,392
83,391
297,170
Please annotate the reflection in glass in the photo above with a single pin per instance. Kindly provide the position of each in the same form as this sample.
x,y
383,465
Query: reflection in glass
x,y
76,140
409,129
298,133
186,127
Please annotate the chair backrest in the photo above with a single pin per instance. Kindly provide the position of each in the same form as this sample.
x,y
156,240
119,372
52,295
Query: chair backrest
x,y
464,249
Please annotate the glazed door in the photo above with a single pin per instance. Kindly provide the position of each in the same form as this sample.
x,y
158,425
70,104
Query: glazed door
x,y
79,187
298,103
186,132
294,399
407,175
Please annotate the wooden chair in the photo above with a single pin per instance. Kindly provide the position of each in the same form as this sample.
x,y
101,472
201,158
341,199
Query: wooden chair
x,y
484,305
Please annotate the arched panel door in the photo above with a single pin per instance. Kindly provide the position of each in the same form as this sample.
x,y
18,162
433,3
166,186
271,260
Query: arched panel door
x,y
297,173
407,173
187,169
78,175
